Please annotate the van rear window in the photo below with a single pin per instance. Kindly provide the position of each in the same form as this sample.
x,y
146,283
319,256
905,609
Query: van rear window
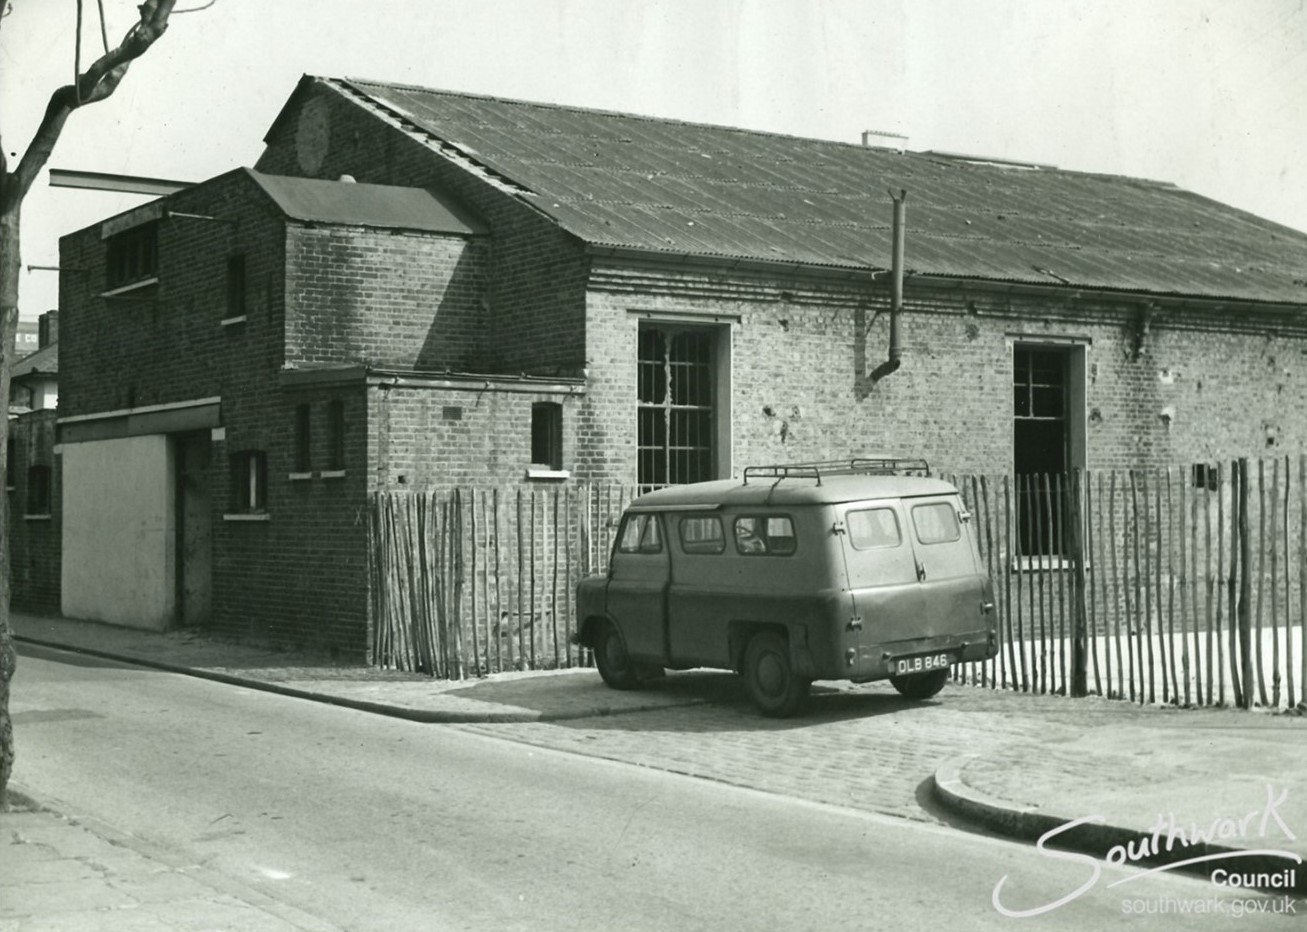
x,y
936,523
872,528
702,535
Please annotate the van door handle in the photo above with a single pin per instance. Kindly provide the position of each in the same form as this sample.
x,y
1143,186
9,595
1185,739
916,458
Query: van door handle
x,y
986,607
921,572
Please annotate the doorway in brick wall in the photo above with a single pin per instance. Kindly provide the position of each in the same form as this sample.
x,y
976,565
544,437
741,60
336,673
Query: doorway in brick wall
x,y
1048,439
192,453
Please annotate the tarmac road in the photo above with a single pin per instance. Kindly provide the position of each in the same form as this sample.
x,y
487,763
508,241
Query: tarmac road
x,y
368,822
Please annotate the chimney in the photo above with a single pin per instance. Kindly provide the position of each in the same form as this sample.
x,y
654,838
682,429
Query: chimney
x,y
876,139
47,329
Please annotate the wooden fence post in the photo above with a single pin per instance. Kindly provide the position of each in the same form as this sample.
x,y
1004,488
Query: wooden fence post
x,y
1245,588
1079,676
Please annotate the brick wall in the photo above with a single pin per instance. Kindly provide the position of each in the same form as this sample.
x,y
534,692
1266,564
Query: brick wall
x,y
1231,382
535,273
298,578
34,542
428,439
388,298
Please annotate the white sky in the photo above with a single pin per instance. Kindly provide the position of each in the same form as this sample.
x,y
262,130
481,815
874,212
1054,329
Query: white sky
x,y
1208,94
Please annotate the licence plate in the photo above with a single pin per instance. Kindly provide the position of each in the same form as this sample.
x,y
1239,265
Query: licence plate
x,y
920,663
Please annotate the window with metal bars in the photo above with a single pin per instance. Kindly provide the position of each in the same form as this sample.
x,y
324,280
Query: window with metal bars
x,y
675,406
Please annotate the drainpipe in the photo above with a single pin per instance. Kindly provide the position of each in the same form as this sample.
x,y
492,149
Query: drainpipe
x,y
895,359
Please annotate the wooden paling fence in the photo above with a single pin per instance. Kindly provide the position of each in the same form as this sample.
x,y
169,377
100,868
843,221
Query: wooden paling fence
x,y
1182,585
481,581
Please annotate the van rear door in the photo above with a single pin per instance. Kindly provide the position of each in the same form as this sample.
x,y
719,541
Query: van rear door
x,y
952,582
882,571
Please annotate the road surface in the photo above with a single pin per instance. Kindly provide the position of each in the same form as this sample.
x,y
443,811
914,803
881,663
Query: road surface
x,y
373,823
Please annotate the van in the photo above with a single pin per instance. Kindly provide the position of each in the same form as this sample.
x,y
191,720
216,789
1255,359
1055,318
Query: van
x,y
860,570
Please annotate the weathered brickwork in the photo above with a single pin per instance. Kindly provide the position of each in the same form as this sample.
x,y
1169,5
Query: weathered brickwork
x,y
386,298
435,439
1193,385
297,578
535,273
35,554
166,343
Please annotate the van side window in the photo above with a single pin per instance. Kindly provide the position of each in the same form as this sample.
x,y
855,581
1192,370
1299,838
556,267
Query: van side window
x,y
936,523
873,528
702,535
765,534
640,534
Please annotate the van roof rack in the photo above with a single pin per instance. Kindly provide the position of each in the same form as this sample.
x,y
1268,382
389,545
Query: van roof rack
x,y
858,466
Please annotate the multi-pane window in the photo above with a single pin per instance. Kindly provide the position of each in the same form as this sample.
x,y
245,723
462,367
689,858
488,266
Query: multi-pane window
x,y
547,434
38,490
335,435
303,438
236,286
1040,384
132,256
249,481
675,406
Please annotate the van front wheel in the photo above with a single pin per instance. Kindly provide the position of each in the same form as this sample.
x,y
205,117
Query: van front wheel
x,y
920,685
769,677
612,659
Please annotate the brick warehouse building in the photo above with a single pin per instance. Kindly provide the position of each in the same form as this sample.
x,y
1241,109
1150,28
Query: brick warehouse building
x,y
419,289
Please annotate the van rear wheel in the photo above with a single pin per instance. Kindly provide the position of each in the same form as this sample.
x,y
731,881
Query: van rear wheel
x,y
920,685
613,661
769,676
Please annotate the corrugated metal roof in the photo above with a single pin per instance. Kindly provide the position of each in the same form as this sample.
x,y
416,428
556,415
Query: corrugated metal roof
x,y
627,181
368,205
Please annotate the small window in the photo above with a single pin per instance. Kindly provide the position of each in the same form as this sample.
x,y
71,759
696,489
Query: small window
x,y
936,523
249,478
640,534
702,535
760,535
336,435
547,434
132,256
303,438
236,286
1206,476
873,528
38,490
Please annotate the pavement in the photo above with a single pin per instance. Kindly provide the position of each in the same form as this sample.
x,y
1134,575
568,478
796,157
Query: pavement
x,y
1149,785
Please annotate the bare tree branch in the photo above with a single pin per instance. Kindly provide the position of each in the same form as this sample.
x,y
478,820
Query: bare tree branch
x,y
96,83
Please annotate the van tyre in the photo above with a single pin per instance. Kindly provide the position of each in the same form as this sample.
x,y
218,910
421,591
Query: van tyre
x,y
920,685
611,658
769,676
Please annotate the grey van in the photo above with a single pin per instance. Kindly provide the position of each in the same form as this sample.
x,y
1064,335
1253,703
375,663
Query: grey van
x,y
860,570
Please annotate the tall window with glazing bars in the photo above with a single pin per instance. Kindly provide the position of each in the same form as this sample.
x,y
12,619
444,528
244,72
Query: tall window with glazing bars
x,y
676,416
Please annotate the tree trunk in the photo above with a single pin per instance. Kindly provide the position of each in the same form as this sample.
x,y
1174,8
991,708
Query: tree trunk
x,y
10,265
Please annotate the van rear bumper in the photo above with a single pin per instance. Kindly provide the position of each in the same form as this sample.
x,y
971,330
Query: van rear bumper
x,y
878,661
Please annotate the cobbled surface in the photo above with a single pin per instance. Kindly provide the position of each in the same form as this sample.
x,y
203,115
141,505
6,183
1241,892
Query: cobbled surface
x,y
863,747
